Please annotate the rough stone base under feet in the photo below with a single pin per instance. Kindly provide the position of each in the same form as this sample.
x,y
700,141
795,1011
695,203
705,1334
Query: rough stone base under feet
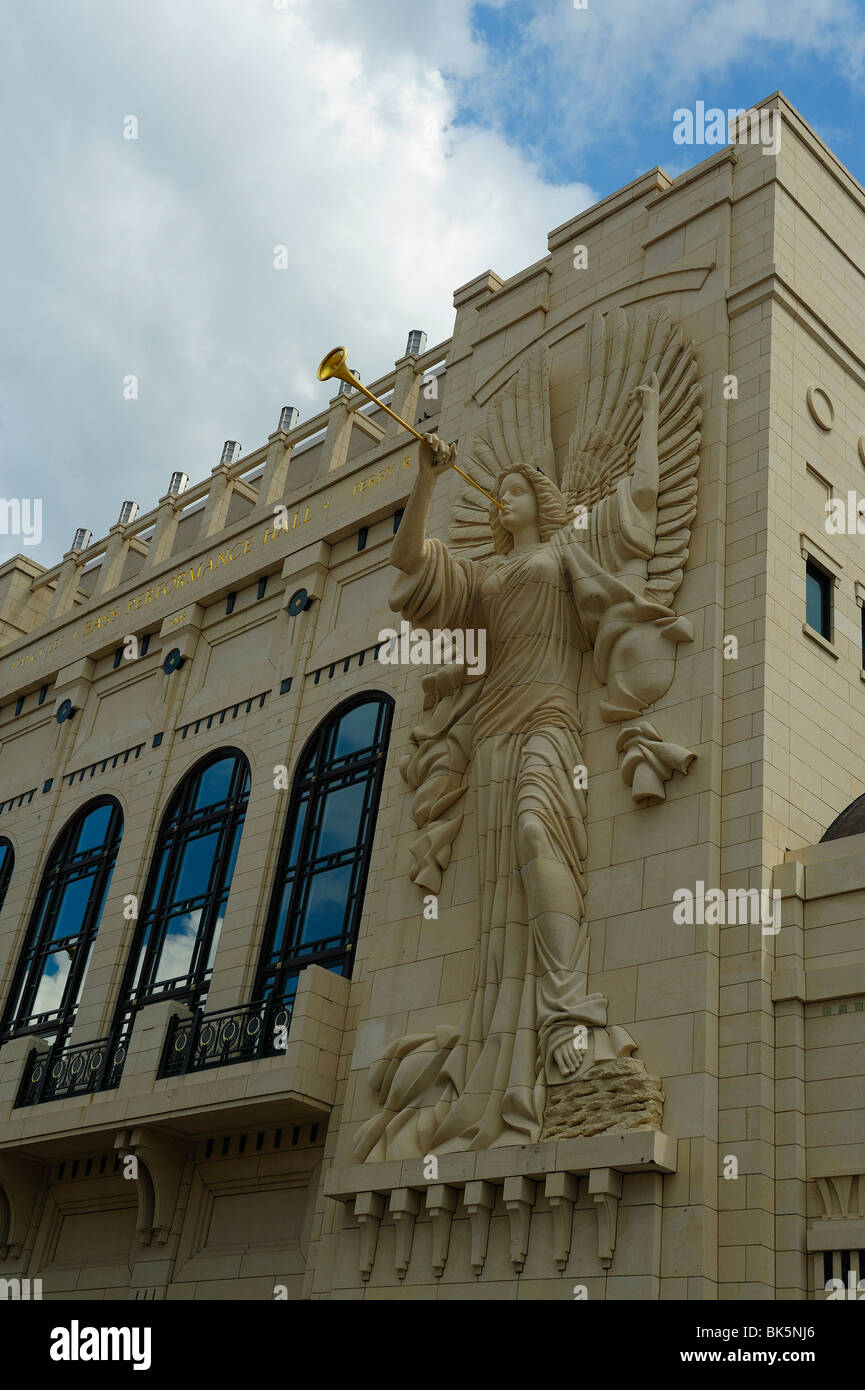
x,y
613,1097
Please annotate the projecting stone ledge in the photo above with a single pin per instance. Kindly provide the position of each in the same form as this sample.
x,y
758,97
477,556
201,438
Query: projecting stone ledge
x,y
405,1188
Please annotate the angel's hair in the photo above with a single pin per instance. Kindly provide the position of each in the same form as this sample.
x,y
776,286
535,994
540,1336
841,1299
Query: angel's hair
x,y
553,511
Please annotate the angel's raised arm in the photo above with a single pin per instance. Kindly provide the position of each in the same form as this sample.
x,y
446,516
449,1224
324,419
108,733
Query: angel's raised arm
x,y
434,457
619,530
631,470
645,477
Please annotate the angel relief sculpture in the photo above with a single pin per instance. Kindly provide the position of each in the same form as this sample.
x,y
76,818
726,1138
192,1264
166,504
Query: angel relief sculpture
x,y
533,1042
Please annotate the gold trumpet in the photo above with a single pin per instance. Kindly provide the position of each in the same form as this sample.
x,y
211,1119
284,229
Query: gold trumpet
x,y
334,364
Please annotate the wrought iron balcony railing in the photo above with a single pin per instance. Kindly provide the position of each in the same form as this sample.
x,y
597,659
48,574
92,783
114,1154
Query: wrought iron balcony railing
x,y
72,1070
229,1035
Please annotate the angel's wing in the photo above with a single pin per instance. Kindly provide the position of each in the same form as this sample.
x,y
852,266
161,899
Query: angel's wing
x,y
517,430
619,353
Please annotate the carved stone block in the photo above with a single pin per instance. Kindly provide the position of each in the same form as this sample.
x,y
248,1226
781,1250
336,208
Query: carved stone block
x,y
612,1097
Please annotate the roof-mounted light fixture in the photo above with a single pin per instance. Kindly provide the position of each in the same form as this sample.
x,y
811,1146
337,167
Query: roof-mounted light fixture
x,y
416,342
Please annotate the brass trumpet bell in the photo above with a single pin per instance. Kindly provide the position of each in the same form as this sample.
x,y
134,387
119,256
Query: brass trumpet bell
x,y
335,364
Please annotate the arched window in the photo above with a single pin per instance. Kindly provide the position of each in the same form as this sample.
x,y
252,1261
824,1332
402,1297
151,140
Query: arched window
x,y
188,884
851,820
321,875
65,920
7,861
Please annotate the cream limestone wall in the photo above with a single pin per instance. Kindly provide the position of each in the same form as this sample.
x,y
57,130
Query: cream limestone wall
x,y
661,979
760,259
819,994
792,760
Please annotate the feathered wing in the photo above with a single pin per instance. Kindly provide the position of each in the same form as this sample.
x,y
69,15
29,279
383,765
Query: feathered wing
x,y
517,430
620,352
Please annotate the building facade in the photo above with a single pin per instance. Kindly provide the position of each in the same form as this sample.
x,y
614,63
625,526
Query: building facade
x,y
276,1020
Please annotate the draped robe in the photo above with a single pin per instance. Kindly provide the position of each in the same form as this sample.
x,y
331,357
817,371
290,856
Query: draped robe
x,y
483,1084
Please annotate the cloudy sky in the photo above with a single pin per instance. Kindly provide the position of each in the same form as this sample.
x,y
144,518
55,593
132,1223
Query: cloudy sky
x,y
396,150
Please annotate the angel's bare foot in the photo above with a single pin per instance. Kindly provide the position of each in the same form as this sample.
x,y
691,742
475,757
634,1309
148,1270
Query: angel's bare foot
x,y
566,1057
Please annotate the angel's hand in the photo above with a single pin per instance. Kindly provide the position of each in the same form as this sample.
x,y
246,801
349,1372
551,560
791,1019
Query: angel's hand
x,y
437,456
649,393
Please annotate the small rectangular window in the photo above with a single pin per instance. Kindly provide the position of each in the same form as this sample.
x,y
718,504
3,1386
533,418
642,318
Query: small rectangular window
x,y
42,693
397,518
818,600
230,602
361,537
19,704
262,585
118,657
145,643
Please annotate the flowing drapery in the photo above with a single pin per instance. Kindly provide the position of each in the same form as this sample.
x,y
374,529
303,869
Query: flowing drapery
x,y
514,737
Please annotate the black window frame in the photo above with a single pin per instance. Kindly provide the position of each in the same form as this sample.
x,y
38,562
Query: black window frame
x,y
7,864
63,866
317,773
178,827
826,582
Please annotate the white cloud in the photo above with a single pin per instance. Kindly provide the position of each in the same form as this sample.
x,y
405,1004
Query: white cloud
x,y
626,61
334,128
328,128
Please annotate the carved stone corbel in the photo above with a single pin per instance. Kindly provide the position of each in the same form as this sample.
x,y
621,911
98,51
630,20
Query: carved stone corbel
x,y
20,1180
73,685
274,479
215,514
479,1198
605,1185
519,1198
441,1203
404,1206
340,419
368,1210
162,1160
560,1190
406,388
182,630
842,1195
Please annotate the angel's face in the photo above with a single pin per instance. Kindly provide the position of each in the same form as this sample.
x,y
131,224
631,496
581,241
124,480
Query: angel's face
x,y
519,513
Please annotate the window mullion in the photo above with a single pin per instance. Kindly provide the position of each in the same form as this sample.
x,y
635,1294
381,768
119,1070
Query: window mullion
x,y
297,880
